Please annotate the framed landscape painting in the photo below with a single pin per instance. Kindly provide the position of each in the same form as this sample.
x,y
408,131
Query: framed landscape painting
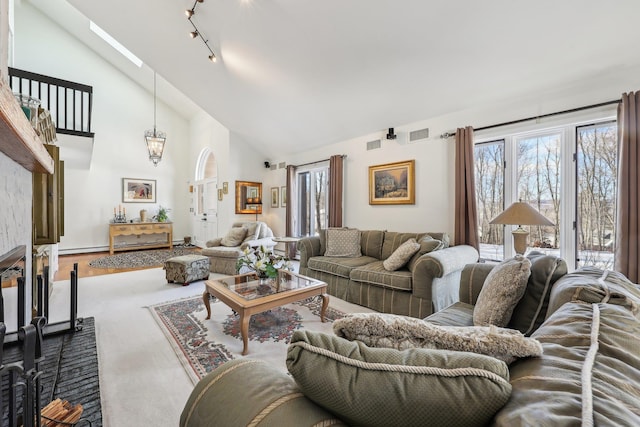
x,y
283,197
136,190
392,184
274,197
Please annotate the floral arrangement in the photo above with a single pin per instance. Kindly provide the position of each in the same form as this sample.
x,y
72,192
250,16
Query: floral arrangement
x,y
265,263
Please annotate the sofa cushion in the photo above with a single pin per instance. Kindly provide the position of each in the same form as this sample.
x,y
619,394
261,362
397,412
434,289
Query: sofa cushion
x,y
343,243
532,307
234,237
457,314
590,366
402,255
371,243
427,244
374,273
590,284
502,289
393,240
384,387
400,332
222,252
336,265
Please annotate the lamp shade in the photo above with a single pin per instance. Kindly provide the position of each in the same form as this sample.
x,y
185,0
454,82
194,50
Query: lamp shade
x,y
521,213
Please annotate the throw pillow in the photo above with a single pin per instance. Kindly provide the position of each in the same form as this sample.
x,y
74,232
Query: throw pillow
x,y
532,308
427,244
253,231
400,332
385,387
501,291
401,256
343,243
234,237
214,242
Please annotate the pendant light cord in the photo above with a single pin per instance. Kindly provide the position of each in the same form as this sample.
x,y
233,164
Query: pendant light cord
x,y
154,103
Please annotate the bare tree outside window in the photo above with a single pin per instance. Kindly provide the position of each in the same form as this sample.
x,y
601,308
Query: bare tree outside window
x,y
538,182
597,159
489,173
539,185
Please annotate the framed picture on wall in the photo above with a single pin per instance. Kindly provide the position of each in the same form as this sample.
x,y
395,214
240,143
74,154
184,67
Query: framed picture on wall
x,y
283,197
136,190
274,197
392,184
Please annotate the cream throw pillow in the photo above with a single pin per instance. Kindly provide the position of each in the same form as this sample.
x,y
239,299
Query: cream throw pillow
x,y
343,243
400,332
502,290
234,237
402,255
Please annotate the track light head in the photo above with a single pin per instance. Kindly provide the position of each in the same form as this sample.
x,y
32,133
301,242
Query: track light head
x,y
193,34
189,13
213,58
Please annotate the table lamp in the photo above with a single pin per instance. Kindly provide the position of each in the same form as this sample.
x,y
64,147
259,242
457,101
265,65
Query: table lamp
x,y
520,213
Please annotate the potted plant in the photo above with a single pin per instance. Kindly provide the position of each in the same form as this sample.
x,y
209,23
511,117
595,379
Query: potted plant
x,y
162,215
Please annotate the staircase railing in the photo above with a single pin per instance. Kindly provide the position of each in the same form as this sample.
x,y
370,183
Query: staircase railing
x,y
69,103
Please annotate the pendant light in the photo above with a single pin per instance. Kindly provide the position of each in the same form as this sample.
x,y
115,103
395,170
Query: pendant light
x,y
155,139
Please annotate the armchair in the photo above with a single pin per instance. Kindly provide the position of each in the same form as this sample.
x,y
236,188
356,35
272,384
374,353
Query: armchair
x,y
223,252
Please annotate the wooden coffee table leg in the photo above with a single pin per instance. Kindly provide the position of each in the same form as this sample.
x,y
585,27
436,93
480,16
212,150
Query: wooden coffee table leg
x,y
244,332
207,304
325,304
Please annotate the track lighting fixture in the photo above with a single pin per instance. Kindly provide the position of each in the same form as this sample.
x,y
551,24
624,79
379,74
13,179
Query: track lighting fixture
x,y
196,33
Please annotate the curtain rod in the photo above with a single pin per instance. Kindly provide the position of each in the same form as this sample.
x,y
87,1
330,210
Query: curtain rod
x,y
513,122
318,161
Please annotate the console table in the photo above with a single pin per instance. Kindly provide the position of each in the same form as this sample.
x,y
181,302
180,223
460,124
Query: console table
x,y
140,229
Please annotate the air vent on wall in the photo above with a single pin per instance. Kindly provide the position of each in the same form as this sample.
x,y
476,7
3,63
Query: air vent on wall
x,y
282,165
273,166
418,135
372,145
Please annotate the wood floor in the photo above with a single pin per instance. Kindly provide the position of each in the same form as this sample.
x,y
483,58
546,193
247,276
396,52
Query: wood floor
x,y
65,265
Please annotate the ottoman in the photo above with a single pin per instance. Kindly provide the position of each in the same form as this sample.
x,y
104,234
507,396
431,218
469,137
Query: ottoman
x,y
187,268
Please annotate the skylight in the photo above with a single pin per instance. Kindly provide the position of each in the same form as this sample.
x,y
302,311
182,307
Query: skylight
x,y
114,43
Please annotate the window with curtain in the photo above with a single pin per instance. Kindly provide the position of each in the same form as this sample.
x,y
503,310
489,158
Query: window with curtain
x,y
568,174
312,190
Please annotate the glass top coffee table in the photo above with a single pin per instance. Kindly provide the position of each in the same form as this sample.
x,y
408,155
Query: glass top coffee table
x,y
248,295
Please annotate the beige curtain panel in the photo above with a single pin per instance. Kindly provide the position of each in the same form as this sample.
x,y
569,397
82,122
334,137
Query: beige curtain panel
x,y
466,213
627,255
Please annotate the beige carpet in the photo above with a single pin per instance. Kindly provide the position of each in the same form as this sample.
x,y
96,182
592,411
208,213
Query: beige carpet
x,y
141,379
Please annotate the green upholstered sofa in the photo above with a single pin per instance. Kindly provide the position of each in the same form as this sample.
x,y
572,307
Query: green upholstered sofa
x,y
426,284
589,373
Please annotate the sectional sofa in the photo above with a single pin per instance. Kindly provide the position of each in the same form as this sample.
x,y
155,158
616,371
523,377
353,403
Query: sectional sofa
x,y
587,323
427,282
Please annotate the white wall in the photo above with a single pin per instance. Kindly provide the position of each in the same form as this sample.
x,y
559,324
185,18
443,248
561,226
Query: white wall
x,y
433,210
122,111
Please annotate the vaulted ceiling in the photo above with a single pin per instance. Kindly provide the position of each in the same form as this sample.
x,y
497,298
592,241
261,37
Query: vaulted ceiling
x,y
296,74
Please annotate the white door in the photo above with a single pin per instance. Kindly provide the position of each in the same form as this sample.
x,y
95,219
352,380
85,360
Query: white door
x,y
205,220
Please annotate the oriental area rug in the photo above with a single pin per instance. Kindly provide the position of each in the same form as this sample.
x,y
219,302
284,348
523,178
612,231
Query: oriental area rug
x,y
140,259
202,345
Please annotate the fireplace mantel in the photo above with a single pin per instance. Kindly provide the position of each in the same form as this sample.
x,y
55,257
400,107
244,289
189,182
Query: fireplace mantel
x,y
18,140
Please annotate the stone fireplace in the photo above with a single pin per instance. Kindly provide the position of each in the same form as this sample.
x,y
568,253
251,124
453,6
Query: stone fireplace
x,y
16,196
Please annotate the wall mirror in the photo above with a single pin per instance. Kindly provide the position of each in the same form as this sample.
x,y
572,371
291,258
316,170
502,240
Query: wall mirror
x,y
248,197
